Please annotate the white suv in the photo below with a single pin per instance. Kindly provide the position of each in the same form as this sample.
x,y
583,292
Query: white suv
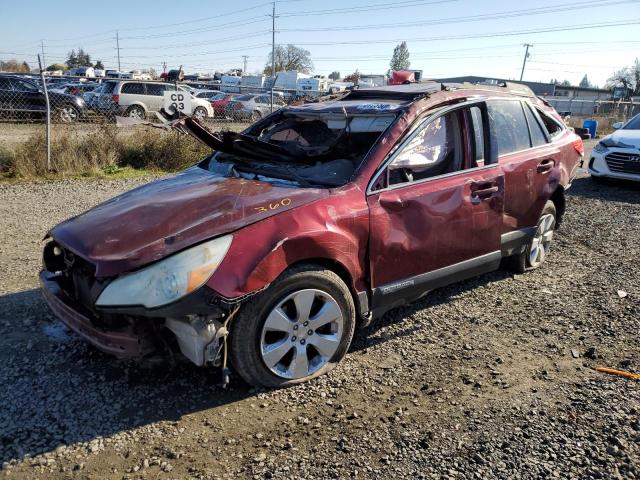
x,y
618,155
133,98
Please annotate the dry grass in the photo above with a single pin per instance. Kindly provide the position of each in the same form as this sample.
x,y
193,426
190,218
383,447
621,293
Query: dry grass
x,y
100,150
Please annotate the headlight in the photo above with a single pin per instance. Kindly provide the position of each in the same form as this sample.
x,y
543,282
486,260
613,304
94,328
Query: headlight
x,y
600,148
169,279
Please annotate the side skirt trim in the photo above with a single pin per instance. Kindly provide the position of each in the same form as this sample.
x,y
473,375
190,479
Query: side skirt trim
x,y
391,295
514,242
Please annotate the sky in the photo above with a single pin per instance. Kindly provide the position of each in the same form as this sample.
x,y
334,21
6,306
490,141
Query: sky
x,y
445,37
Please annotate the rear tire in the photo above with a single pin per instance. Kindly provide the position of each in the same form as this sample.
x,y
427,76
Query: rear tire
x,y
68,114
537,249
274,344
200,114
137,112
255,116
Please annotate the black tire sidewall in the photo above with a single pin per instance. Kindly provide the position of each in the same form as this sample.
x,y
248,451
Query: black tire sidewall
x,y
246,328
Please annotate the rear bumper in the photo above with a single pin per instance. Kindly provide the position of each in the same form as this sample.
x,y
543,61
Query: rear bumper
x,y
119,344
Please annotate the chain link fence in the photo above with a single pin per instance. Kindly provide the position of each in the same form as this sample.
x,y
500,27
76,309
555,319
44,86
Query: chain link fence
x,y
68,123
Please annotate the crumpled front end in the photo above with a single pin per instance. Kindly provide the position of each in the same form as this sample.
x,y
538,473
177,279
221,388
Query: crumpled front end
x,y
193,325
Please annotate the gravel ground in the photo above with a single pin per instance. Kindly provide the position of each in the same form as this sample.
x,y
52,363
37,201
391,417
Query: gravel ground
x,y
490,378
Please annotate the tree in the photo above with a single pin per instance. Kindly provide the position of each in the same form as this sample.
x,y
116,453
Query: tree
x,y
99,65
335,75
80,59
56,66
585,83
288,58
400,59
14,67
566,83
354,77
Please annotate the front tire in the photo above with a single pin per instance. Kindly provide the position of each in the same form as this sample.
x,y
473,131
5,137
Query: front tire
x,y
297,329
68,114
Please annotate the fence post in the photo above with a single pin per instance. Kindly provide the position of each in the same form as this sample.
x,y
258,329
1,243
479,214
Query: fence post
x,y
46,99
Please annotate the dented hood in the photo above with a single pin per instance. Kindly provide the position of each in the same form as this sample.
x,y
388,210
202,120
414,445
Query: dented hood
x,y
171,214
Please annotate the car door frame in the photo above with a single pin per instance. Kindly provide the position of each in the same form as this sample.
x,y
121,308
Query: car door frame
x,y
402,291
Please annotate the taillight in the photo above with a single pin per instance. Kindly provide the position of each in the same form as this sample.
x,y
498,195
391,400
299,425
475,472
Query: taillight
x,y
578,144
115,98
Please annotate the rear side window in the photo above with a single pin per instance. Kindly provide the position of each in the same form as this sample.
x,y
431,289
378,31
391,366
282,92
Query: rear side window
x,y
550,124
133,88
245,98
155,89
538,136
507,126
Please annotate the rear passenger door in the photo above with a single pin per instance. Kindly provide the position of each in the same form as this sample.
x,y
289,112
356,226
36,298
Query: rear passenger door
x,y
133,93
155,96
435,209
521,146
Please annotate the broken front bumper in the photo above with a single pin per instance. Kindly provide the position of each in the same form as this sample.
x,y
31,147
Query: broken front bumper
x,y
119,344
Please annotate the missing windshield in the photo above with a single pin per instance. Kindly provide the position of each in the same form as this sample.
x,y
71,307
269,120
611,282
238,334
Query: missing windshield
x,y
299,148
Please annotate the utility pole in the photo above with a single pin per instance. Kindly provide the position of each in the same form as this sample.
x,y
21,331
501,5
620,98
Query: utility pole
x,y
164,67
526,55
118,48
244,63
42,49
273,51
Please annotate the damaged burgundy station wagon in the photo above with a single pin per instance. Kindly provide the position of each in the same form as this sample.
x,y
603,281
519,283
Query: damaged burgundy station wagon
x,y
314,220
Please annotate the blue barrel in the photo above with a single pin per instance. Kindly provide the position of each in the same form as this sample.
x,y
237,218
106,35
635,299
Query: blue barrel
x,y
591,125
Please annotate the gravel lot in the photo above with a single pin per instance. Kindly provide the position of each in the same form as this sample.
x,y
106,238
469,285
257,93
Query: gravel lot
x,y
490,378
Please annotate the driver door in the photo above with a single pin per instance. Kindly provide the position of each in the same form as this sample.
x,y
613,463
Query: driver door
x,y
435,209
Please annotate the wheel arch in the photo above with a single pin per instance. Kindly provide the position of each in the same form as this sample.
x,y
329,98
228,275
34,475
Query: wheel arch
x,y
360,299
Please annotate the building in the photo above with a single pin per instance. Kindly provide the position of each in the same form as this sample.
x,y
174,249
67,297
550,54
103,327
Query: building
x,y
541,89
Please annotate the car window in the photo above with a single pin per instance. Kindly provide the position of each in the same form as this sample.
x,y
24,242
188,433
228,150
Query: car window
x,y
507,126
538,135
435,149
23,86
551,125
245,98
4,84
478,135
133,88
156,89
634,123
108,87
169,86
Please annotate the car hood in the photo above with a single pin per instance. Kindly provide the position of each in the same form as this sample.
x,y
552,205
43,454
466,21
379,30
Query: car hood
x,y
623,139
150,222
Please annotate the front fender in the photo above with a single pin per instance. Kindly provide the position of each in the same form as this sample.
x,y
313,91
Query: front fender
x,y
333,229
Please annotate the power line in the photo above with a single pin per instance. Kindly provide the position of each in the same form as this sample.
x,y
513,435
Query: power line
x,y
463,19
480,35
367,8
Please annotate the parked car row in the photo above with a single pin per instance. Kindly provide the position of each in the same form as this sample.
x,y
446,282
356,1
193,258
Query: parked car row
x,y
24,99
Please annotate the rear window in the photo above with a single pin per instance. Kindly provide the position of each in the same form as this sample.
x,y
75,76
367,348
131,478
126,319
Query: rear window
x,y
507,126
133,88
107,87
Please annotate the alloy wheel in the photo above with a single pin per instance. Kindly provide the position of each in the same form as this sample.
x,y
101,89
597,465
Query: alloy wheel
x,y
541,242
301,333
68,114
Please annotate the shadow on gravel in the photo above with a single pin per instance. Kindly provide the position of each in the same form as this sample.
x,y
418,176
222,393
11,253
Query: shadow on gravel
x,y
59,390
606,189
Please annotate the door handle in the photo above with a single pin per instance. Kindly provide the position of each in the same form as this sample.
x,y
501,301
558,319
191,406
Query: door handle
x,y
483,190
545,166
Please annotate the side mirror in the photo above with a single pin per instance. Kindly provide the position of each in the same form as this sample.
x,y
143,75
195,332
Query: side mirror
x,y
617,125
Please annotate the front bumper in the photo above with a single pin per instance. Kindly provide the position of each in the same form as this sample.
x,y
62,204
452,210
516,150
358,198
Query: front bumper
x,y
599,166
118,343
